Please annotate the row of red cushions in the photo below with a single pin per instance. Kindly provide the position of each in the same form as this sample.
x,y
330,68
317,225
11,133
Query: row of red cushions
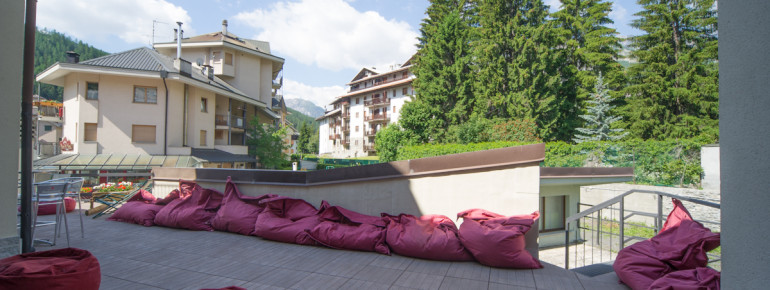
x,y
493,239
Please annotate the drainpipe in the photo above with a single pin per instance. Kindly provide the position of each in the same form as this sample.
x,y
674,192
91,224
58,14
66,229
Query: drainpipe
x,y
164,75
28,76
184,117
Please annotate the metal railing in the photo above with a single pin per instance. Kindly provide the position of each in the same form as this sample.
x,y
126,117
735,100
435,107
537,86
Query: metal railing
x,y
377,101
603,228
379,117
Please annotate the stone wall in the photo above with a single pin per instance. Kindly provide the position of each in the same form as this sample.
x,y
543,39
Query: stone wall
x,y
710,217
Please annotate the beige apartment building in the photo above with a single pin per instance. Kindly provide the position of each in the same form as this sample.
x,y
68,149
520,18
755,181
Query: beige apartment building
x,y
181,103
373,101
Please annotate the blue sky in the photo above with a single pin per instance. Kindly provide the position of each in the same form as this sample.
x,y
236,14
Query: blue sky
x,y
325,42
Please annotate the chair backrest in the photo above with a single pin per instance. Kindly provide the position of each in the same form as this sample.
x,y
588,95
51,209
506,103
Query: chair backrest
x,y
54,190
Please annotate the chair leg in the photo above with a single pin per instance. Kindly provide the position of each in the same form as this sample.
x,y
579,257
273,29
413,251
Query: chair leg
x,y
80,210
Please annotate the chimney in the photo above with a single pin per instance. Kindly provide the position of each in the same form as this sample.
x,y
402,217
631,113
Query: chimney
x,y
224,27
179,41
208,71
72,57
176,34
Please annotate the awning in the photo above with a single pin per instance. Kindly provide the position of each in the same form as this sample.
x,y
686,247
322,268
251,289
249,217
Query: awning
x,y
113,162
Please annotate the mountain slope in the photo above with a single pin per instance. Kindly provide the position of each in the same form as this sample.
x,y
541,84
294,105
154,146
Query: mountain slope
x,y
305,107
297,118
50,47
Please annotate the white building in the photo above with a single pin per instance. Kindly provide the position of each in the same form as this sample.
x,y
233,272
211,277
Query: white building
x,y
373,101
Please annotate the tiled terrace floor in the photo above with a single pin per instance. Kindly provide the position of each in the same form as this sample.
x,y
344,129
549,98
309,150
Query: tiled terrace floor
x,y
137,257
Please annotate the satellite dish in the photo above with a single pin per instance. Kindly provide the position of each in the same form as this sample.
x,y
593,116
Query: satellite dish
x,y
199,61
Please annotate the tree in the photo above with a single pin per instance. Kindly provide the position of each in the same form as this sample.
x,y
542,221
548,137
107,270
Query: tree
x,y
591,49
312,145
50,47
518,62
266,142
388,141
599,119
674,88
304,137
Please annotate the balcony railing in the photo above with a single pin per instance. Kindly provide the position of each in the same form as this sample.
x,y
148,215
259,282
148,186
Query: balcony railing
x,y
368,147
346,128
232,121
378,117
377,102
390,79
370,133
346,115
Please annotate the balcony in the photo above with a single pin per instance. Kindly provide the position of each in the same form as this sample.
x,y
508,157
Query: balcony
x,y
231,121
346,128
377,118
370,133
345,142
383,80
369,147
378,102
346,115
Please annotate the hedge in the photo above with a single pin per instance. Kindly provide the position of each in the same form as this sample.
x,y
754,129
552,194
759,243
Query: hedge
x,y
667,163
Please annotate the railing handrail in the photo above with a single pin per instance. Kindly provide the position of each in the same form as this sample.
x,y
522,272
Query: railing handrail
x,y
617,199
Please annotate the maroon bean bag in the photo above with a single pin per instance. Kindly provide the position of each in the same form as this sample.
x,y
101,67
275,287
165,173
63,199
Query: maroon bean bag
x,y
677,215
496,240
238,213
193,209
140,209
287,220
68,268
432,237
680,247
693,279
50,208
345,229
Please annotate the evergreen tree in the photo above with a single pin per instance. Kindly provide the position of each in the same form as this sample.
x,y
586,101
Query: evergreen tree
x,y
518,65
599,118
304,138
674,89
50,47
592,49
266,142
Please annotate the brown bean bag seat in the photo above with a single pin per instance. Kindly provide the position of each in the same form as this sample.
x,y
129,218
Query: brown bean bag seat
x,y
345,229
238,213
68,268
287,220
432,237
682,245
193,209
496,240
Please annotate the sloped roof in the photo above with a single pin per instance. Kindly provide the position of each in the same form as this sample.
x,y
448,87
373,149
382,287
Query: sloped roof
x,y
142,58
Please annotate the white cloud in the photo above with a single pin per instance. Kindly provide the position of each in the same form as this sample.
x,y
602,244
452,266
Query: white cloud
x,y
618,13
321,96
554,5
131,21
331,34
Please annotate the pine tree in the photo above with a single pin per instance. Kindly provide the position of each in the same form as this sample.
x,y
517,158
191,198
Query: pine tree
x,y
518,65
599,118
674,91
592,49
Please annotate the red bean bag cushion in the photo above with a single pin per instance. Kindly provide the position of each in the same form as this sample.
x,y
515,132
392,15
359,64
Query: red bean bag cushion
x,y
287,220
432,237
693,279
136,212
677,215
238,213
496,240
345,229
680,247
50,208
68,268
174,194
193,210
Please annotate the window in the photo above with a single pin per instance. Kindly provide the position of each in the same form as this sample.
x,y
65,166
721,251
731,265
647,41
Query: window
x,y
147,95
92,91
356,114
228,58
356,128
204,105
358,100
219,134
47,128
552,213
356,142
404,91
89,134
394,93
143,134
394,109
404,74
385,94
203,137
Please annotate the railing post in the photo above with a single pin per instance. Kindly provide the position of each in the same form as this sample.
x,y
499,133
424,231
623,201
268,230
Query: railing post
x,y
659,221
566,247
622,223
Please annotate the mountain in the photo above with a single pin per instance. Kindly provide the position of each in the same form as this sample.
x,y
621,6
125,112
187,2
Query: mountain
x,y
297,118
305,107
50,47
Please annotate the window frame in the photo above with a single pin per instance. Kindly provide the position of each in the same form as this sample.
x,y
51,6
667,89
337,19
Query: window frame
x,y
544,214
225,58
204,105
203,138
86,131
134,133
89,89
133,96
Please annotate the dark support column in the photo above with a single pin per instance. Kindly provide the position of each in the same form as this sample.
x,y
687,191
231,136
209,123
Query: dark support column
x,y
28,77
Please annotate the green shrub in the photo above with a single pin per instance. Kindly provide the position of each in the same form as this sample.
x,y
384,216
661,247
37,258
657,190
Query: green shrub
x,y
430,150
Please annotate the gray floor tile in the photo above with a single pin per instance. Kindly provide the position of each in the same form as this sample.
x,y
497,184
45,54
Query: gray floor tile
x,y
461,283
518,277
419,280
340,268
109,283
354,284
469,270
282,277
429,267
378,274
392,262
554,282
319,281
498,286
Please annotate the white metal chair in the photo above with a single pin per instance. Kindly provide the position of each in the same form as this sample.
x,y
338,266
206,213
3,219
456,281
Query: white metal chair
x,y
53,192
